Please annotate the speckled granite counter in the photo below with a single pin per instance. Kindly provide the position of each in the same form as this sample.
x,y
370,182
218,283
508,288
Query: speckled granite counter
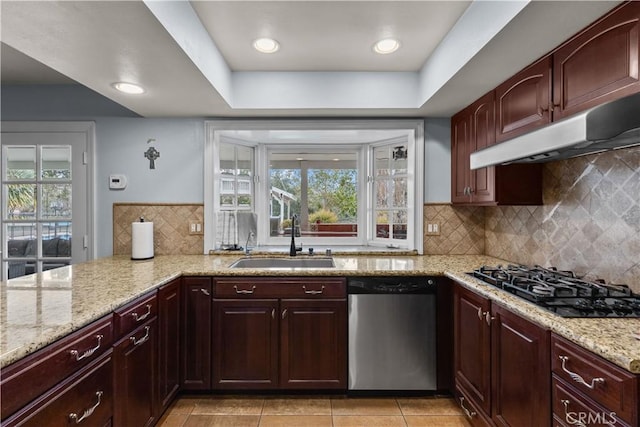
x,y
39,309
613,339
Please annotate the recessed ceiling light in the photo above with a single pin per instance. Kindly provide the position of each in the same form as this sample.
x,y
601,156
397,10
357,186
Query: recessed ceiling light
x,y
386,46
299,158
266,45
130,88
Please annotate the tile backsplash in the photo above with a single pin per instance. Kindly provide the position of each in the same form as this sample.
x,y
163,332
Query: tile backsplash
x,y
589,223
170,227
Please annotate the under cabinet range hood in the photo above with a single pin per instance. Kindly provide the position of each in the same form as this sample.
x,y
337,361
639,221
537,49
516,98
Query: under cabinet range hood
x,y
609,126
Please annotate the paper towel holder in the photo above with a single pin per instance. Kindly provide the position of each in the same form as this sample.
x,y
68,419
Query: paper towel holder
x,y
144,251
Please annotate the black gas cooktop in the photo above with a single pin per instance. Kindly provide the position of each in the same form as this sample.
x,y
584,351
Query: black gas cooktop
x,y
562,292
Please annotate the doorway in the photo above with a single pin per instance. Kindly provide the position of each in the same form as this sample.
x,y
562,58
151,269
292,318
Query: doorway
x,y
46,193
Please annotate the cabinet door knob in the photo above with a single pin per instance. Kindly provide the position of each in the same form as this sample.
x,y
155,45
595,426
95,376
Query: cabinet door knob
x,y
577,378
488,318
204,291
284,313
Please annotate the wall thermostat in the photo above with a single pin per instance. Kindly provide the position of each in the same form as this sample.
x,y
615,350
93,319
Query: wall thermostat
x,y
117,182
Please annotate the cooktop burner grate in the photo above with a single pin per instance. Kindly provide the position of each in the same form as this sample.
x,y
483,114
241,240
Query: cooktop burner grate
x,y
562,292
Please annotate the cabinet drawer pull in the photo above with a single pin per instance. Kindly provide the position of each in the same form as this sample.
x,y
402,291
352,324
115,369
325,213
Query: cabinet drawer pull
x,y
142,340
313,292
139,318
480,314
568,417
577,378
470,413
204,291
284,313
87,413
87,353
244,291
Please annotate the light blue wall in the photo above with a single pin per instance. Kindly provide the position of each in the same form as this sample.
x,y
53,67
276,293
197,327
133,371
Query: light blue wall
x,y
437,153
121,140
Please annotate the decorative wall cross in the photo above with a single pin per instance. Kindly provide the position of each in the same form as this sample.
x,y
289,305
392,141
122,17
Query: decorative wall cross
x,y
152,154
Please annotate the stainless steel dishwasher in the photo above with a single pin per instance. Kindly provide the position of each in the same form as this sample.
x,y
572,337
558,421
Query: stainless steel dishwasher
x,y
392,333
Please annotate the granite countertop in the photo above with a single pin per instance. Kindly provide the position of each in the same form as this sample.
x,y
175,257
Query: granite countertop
x,y
39,309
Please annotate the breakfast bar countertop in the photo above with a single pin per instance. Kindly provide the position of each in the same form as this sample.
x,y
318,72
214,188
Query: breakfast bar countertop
x,y
42,308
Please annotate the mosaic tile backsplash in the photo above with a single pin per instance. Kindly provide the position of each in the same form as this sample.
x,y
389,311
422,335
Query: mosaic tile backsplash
x,y
589,223
170,227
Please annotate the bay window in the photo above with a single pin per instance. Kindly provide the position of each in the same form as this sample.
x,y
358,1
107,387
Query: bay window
x,y
355,183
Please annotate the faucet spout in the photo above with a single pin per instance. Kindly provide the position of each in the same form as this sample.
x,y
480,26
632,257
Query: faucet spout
x,y
293,250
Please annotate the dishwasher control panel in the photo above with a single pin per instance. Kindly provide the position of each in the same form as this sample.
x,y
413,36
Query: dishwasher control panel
x,y
391,285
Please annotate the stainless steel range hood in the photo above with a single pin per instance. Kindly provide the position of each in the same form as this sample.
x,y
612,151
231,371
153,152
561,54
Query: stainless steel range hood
x,y
609,126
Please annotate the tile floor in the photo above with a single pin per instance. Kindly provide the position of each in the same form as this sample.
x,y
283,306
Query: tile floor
x,y
306,411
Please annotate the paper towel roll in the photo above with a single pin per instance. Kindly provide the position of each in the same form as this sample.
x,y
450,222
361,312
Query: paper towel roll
x,y
141,240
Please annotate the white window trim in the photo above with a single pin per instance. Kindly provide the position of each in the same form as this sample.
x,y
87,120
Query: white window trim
x,y
413,127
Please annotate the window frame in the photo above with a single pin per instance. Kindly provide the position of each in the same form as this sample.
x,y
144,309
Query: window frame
x,y
255,133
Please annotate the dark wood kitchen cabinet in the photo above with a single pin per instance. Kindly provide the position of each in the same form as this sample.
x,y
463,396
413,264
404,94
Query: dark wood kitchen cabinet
x,y
472,354
246,343
599,64
585,383
473,129
135,363
313,353
85,398
31,376
196,333
169,312
286,332
523,103
492,349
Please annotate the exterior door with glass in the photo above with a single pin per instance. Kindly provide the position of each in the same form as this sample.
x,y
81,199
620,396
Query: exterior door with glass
x,y
45,211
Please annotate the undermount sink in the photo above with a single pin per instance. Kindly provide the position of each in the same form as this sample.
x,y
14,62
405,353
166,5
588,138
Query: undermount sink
x,y
283,263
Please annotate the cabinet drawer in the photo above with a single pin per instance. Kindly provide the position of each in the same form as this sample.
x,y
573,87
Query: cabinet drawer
x,y
86,398
261,287
135,314
571,408
472,412
31,376
608,385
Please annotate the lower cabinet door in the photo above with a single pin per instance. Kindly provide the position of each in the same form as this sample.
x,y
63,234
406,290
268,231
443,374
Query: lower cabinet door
x,y
85,398
313,344
520,371
245,343
168,343
135,377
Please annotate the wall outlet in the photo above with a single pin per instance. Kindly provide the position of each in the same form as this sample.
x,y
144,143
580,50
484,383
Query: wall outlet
x,y
195,228
433,229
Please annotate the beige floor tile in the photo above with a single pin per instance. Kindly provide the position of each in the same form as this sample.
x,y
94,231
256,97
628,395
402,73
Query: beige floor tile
x,y
368,421
297,406
183,405
295,421
436,421
429,406
236,421
228,406
364,406
198,421
172,420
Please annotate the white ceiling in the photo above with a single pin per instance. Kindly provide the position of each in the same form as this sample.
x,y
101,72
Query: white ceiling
x,y
194,58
